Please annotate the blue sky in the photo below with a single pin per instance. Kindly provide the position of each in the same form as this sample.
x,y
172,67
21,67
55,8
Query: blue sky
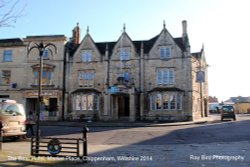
x,y
222,25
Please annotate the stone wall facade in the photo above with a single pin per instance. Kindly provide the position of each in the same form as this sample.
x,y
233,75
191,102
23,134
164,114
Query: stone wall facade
x,y
24,72
130,80
123,80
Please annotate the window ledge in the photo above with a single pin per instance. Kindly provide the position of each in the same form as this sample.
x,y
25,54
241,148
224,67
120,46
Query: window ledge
x,y
33,85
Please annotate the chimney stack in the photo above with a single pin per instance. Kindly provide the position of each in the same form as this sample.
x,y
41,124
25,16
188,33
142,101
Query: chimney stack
x,y
184,28
76,34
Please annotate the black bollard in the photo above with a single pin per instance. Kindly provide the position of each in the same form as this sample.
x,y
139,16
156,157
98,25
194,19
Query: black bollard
x,y
84,135
1,136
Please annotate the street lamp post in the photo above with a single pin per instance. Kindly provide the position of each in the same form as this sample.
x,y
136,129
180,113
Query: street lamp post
x,y
41,48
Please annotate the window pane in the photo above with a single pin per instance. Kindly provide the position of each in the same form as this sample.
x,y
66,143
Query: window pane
x,y
161,53
78,102
152,102
172,102
165,76
167,52
124,55
35,77
171,76
179,102
165,101
46,54
84,56
89,56
50,76
84,102
159,76
12,110
86,77
6,77
121,55
44,73
90,102
158,101
7,55
96,103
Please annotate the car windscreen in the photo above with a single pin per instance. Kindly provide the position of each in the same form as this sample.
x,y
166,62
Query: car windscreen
x,y
11,109
228,108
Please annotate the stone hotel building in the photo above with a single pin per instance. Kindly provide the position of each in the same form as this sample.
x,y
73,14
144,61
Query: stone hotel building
x,y
123,80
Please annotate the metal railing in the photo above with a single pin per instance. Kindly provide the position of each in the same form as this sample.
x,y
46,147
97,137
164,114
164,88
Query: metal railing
x,y
60,147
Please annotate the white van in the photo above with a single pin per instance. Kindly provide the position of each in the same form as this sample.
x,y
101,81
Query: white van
x,y
12,119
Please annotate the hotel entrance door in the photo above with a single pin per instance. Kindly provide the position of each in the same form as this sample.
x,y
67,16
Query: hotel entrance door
x,y
123,106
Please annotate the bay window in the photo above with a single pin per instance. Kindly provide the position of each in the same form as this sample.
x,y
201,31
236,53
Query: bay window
x,y
166,101
86,102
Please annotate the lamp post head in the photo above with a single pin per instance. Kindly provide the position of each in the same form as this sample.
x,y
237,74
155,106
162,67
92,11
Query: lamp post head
x,y
85,129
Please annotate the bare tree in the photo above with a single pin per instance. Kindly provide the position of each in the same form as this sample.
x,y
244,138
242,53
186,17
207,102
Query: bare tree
x,y
10,11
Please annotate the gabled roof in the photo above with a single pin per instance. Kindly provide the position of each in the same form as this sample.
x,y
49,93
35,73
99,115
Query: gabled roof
x,y
200,55
197,55
179,42
147,45
102,46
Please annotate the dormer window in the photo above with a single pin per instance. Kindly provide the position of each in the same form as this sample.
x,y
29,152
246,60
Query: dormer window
x,y
124,54
165,52
86,55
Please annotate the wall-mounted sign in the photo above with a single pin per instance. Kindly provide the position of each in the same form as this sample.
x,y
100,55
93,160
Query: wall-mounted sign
x,y
54,146
116,90
44,93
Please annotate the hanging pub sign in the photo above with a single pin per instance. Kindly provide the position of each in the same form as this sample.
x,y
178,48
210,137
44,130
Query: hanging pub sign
x,y
200,76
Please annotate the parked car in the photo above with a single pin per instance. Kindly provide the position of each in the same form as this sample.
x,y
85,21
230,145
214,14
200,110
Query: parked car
x,y
12,119
228,111
214,108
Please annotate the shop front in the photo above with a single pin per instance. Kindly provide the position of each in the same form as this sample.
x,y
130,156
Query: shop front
x,y
51,104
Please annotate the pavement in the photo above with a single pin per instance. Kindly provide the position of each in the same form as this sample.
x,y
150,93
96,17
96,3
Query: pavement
x,y
223,154
211,118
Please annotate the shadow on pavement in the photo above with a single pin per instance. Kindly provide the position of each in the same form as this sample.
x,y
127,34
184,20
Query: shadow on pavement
x,y
175,148
171,149
226,131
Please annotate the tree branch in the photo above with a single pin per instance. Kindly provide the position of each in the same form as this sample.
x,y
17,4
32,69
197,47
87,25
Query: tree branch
x,y
9,12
